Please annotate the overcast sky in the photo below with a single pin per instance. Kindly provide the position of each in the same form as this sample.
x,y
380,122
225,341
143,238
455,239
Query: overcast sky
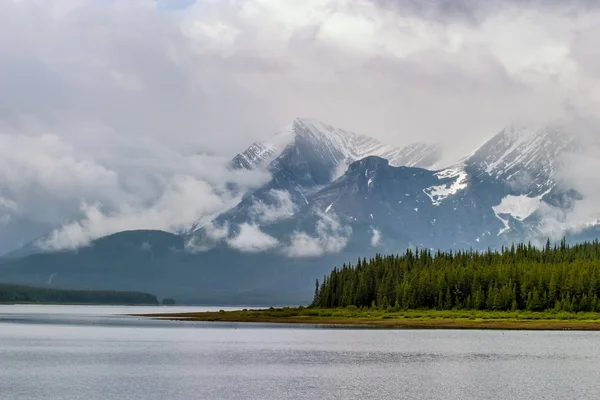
x,y
131,103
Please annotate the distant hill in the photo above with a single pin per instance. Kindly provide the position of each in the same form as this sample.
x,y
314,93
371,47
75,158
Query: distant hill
x,y
27,294
155,261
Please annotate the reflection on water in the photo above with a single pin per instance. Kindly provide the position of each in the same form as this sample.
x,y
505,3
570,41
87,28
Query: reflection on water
x,y
67,352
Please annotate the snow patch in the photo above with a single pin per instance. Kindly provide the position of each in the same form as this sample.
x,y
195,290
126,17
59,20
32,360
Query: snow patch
x,y
515,138
437,194
518,207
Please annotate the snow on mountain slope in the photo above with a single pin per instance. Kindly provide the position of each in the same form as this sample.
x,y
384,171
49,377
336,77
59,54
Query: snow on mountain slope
x,y
517,207
257,154
421,155
439,193
355,147
520,163
527,159
341,146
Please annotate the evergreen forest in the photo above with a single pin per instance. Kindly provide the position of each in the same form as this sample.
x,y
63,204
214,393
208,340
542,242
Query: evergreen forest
x,y
521,277
27,294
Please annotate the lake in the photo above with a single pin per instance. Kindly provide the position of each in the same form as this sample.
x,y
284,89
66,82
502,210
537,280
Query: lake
x,y
93,353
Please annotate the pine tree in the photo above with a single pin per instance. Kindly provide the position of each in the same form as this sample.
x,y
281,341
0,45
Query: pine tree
x,y
316,302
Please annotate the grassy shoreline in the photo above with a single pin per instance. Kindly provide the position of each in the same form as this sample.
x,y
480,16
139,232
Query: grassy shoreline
x,y
421,319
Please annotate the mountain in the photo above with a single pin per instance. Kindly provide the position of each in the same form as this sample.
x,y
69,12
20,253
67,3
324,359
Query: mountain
x,y
156,262
256,155
335,146
17,230
498,194
307,156
524,165
489,198
526,159
333,196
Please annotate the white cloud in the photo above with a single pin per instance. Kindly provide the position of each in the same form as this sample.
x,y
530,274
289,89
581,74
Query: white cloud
x,y
112,101
376,237
579,173
331,236
214,234
282,207
184,201
251,239
47,180
43,167
304,245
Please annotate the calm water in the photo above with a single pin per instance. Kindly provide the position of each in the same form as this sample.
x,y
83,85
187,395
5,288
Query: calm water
x,y
93,353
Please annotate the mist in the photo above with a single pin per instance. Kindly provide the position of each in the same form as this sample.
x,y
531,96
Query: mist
x,y
123,115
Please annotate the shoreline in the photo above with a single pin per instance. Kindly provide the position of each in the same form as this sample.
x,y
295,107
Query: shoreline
x,y
406,320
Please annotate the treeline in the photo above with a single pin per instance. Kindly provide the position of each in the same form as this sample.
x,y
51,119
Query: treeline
x,y
521,277
27,294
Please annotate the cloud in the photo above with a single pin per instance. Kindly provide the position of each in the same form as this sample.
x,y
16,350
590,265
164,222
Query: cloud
x,y
574,212
467,11
304,245
282,207
113,102
251,239
35,167
376,237
216,232
213,235
49,181
268,62
184,201
331,236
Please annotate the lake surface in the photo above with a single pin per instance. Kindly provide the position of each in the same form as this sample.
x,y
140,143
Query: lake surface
x,y
93,353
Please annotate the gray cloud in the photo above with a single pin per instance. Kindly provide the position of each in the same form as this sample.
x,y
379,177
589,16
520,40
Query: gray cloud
x,y
116,105
475,12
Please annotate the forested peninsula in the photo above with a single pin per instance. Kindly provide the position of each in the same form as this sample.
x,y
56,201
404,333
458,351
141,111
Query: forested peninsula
x,y
516,287
16,294
522,277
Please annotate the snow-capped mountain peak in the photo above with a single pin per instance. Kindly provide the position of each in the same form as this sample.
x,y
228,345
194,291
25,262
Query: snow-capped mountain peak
x,y
527,159
355,147
341,146
254,156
